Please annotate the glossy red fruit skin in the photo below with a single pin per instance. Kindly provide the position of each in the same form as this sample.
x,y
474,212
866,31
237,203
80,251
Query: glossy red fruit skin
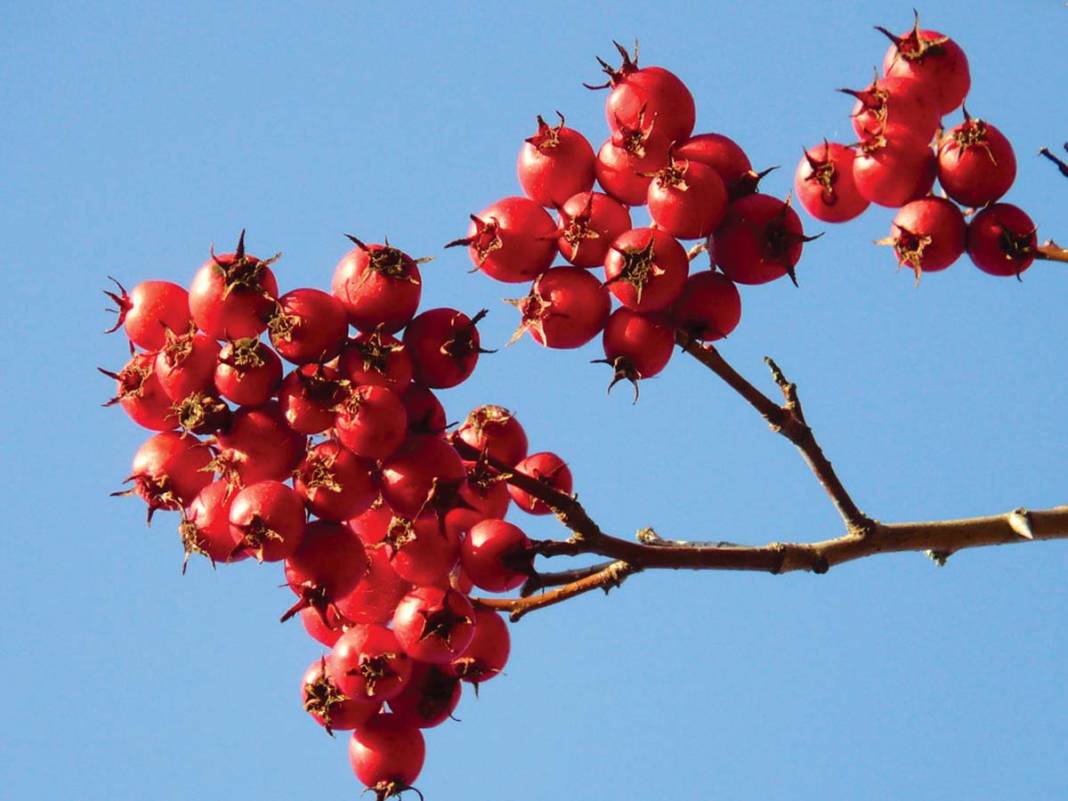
x,y
267,519
328,564
168,470
976,163
566,308
372,422
376,596
387,754
1002,240
326,633
140,394
308,326
377,358
434,624
657,92
488,652
722,154
709,307
898,103
205,526
233,295
247,372
423,550
936,61
335,483
186,364
259,445
379,286
687,199
824,183
760,240
554,164
621,165
430,697
644,341
317,693
548,468
308,398
497,555
423,470
426,415
444,346
149,310
496,431
646,269
512,240
928,234
891,171
589,221
361,647
372,525
484,491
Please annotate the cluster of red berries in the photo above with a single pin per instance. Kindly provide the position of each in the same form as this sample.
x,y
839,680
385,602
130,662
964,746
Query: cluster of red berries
x,y
696,187
903,149
342,469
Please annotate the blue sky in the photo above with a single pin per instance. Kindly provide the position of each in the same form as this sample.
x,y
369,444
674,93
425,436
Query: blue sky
x,y
135,135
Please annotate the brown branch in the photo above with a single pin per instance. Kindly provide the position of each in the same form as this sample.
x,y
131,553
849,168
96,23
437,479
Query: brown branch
x,y
541,581
941,538
1051,251
605,579
788,420
1061,165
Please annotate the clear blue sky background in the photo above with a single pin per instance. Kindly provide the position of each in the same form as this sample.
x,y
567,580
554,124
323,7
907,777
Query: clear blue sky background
x,y
136,134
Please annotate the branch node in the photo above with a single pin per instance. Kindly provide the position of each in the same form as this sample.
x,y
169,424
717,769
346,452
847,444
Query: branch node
x,y
1020,522
938,557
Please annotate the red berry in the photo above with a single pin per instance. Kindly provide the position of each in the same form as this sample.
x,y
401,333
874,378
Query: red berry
x,y
890,169
709,307
637,345
149,310
169,470
547,468
927,235
376,596
327,565
378,285
933,59
426,415
387,755
186,364
434,624
627,161
368,663
566,308
512,240
654,90
371,422
760,240
205,526
258,444
687,199
422,550
444,346
824,183
424,472
430,697
308,326
497,555
141,395
335,483
976,165
725,156
233,295
487,654
1002,240
555,163
589,221
496,431
328,706
248,372
267,519
377,358
646,269
901,104
309,397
